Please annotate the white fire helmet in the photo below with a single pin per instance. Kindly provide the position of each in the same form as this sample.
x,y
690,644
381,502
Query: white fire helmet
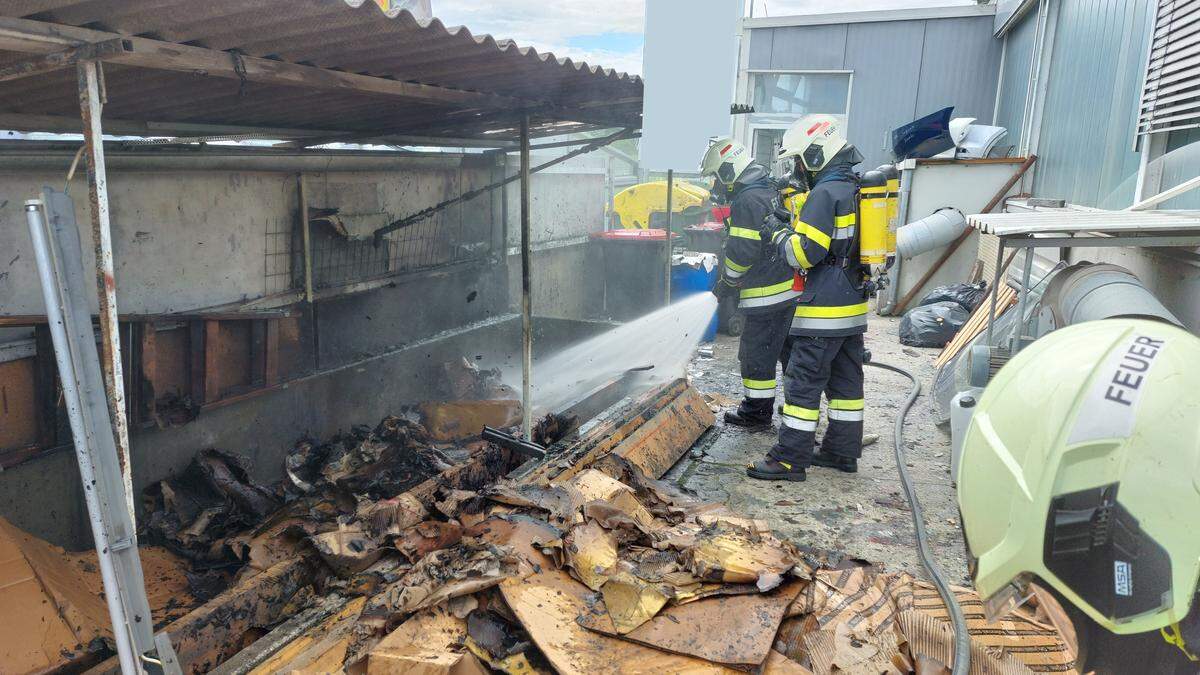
x,y
726,159
815,139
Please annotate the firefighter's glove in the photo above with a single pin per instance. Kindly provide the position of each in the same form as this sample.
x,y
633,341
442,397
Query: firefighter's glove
x,y
776,222
724,287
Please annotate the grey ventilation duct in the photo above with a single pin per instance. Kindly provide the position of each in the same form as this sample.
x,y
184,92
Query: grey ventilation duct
x,y
931,232
1087,292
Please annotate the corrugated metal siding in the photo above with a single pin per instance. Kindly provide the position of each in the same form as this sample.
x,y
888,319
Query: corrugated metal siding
x,y
902,69
761,42
1014,81
809,48
1085,153
1182,163
872,52
959,67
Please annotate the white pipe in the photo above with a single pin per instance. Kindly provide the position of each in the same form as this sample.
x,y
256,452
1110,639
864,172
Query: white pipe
x,y
1147,204
931,232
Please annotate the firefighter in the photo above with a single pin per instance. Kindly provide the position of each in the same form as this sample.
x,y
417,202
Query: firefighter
x,y
826,336
762,282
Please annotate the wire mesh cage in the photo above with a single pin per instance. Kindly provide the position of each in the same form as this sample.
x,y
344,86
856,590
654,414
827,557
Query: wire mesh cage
x,y
345,251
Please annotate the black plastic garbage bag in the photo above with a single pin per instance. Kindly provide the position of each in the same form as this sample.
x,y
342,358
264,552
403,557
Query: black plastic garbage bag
x,y
932,325
967,295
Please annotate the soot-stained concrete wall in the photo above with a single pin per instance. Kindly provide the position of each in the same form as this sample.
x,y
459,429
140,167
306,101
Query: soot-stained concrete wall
x,y
192,238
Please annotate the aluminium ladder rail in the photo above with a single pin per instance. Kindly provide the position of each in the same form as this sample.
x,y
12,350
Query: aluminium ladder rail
x,y
57,248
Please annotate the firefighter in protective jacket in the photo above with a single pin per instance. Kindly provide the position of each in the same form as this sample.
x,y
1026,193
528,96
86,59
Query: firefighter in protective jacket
x,y
826,336
762,281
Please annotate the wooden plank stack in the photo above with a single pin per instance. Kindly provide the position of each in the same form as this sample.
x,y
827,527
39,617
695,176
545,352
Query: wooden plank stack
x,y
976,324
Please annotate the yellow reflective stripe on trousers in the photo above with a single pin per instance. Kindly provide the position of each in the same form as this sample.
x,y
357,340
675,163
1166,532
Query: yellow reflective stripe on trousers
x,y
765,291
845,410
801,419
814,312
758,384
759,388
801,413
745,233
813,232
846,404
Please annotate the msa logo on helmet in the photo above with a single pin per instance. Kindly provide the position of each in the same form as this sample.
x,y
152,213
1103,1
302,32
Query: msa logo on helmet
x,y
1122,578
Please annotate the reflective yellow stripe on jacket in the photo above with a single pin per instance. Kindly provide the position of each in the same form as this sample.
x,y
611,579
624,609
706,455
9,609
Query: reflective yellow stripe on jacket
x,y
763,296
809,311
844,226
818,318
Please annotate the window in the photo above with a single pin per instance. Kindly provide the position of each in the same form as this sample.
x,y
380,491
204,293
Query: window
x,y
781,98
801,93
766,145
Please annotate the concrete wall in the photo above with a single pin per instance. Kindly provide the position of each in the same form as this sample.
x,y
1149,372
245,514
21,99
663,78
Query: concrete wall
x,y
901,69
43,496
195,237
566,206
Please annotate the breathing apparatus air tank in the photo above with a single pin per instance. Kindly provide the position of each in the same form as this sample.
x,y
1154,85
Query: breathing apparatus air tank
x,y
873,218
893,207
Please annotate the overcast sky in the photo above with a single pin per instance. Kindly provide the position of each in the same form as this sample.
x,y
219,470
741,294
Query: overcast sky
x,y
606,32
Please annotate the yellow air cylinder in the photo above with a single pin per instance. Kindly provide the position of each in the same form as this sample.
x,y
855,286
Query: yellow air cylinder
x,y
893,205
873,218
793,198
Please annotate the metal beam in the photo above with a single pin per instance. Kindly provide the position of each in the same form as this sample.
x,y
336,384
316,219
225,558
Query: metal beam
x,y
547,146
45,63
471,194
72,125
526,289
106,285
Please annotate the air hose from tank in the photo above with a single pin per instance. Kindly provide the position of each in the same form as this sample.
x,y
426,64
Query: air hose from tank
x,y
962,640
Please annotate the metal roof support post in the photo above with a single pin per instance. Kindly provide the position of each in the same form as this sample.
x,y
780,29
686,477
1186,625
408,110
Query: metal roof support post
x,y
90,106
526,300
667,264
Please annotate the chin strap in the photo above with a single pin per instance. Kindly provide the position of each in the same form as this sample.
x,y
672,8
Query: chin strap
x,y
1173,636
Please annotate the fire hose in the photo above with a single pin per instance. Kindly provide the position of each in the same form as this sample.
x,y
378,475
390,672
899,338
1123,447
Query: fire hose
x,y
962,640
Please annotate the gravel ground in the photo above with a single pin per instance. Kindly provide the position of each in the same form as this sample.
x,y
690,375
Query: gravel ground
x,y
862,516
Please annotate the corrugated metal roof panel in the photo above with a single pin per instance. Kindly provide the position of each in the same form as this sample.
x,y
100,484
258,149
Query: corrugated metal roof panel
x,y
1067,221
327,34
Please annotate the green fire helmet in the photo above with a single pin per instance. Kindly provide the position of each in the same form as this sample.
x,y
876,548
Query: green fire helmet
x,y
1079,469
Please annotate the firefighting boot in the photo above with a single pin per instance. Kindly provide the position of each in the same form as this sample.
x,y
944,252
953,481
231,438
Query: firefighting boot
x,y
770,469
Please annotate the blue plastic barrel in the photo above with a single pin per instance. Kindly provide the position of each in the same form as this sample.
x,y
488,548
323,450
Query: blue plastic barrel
x,y
692,273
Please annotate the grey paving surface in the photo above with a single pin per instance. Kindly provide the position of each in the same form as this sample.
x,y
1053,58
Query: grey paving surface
x,y
864,515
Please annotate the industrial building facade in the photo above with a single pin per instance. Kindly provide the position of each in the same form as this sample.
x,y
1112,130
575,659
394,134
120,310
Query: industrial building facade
x,y
877,70
1065,77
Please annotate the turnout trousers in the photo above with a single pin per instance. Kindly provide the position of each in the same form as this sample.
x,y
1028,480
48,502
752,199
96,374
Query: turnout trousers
x,y
761,347
829,365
